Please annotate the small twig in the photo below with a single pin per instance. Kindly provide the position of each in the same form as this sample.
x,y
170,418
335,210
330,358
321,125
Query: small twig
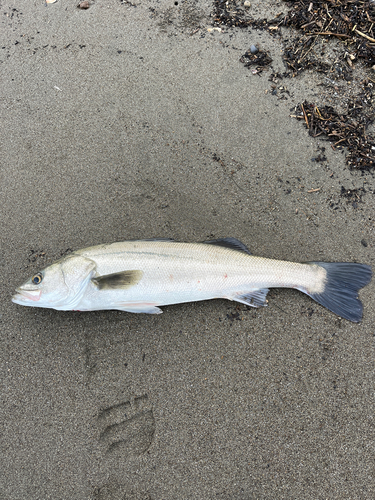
x,y
305,54
320,116
338,142
304,114
330,33
365,36
314,190
308,24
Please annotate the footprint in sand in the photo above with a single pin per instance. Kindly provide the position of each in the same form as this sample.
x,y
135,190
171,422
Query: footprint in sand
x,y
127,427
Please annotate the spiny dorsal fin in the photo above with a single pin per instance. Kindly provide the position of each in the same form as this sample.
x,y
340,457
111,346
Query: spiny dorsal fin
x,y
232,243
116,281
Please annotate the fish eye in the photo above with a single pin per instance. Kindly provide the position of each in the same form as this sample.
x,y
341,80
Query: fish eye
x,y
37,278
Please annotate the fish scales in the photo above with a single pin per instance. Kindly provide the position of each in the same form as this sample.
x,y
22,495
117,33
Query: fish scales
x,y
196,260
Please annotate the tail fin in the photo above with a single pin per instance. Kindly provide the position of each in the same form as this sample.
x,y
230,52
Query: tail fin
x,y
343,281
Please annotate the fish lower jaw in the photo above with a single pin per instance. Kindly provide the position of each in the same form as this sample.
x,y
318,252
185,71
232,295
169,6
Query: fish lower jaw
x,y
19,299
23,296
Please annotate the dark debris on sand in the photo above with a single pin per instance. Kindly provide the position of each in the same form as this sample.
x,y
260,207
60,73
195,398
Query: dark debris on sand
x,y
344,129
260,60
232,14
352,22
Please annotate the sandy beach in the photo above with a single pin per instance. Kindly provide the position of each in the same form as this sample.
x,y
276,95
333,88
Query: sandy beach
x,y
131,120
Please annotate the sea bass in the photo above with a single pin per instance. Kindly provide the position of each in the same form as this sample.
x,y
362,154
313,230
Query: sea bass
x,y
139,276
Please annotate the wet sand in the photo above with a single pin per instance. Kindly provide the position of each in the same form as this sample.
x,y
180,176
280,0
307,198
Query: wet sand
x,y
123,122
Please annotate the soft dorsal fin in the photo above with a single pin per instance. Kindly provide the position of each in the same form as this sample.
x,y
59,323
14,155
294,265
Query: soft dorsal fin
x,y
155,239
115,281
231,243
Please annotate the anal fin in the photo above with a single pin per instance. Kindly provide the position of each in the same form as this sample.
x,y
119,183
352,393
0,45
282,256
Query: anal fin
x,y
146,308
255,298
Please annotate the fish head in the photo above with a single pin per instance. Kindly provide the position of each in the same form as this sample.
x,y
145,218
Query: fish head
x,y
59,286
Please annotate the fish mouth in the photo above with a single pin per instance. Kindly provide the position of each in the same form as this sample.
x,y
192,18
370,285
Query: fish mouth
x,y
23,296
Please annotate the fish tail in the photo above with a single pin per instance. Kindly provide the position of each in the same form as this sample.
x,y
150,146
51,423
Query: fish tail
x,y
342,283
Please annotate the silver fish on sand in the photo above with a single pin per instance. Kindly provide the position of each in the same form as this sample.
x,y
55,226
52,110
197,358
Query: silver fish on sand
x,y
140,276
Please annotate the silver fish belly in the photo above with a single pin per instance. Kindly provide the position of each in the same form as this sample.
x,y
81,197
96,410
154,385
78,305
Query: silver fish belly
x,y
140,276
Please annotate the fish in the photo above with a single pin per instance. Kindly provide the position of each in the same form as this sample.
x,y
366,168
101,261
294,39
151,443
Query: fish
x,y
139,276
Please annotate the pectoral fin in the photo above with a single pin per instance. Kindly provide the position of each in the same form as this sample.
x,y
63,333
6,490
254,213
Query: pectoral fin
x,y
255,298
118,281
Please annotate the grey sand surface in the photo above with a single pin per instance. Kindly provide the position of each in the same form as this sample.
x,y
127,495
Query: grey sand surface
x,y
124,122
